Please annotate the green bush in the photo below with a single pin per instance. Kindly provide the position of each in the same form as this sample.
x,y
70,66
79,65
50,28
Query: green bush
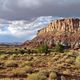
x,y
59,48
2,51
43,49
22,51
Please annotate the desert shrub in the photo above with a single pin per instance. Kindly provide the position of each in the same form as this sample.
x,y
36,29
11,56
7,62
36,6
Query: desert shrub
x,y
45,72
77,62
2,51
33,51
56,57
28,51
59,48
78,59
72,53
16,49
18,72
12,56
30,58
63,78
37,76
19,55
13,52
70,60
25,54
11,63
67,72
1,65
22,71
43,49
22,51
53,76
26,63
28,69
25,48
4,56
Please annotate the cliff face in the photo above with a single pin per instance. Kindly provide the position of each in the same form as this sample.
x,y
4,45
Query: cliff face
x,y
62,25
65,31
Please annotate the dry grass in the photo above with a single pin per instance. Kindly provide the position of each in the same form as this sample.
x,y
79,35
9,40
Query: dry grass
x,y
28,66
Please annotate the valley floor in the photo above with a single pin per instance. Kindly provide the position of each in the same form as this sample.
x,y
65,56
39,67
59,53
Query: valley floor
x,y
54,66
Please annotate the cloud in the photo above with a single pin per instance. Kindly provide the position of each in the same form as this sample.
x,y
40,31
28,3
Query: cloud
x,y
23,29
29,3
20,28
18,18
28,9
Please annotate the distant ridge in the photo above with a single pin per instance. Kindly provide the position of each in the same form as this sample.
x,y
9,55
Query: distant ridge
x,y
10,44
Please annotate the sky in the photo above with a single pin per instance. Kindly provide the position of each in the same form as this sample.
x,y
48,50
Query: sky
x,y
20,19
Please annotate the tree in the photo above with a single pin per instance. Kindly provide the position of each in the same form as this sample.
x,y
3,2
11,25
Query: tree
x,y
59,48
22,51
43,48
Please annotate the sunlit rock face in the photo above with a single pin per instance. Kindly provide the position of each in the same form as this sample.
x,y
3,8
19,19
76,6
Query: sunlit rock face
x,y
62,25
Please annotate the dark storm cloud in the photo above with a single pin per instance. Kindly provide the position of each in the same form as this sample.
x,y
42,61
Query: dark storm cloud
x,y
27,9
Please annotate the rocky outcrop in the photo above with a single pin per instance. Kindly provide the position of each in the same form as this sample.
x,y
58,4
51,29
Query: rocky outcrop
x,y
64,31
62,25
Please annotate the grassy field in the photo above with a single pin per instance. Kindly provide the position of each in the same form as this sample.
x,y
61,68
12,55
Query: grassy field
x,y
52,66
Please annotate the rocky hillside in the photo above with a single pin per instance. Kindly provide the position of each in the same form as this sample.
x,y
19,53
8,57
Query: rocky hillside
x,y
65,31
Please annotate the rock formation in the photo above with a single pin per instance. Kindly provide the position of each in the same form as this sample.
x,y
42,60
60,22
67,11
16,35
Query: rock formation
x,y
65,31
62,25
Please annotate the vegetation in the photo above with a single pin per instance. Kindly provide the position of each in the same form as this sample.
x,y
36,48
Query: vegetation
x,y
43,49
37,76
78,59
59,48
53,76
29,65
11,63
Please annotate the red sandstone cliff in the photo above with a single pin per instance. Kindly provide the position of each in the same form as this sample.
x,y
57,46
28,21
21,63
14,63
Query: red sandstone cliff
x,y
66,31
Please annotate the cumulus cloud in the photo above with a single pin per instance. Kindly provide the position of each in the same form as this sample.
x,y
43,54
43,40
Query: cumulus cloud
x,y
22,29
